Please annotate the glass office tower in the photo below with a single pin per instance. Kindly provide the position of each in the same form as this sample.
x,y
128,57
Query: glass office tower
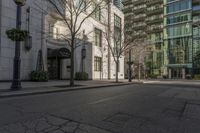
x,y
154,21
178,38
173,27
144,20
196,36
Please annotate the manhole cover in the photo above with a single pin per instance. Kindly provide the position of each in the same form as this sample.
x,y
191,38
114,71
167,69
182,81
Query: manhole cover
x,y
192,111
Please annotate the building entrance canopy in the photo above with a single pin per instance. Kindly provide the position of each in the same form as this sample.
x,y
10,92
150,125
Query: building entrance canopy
x,y
62,53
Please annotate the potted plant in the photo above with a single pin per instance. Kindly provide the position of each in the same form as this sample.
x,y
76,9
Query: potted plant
x,y
39,76
16,34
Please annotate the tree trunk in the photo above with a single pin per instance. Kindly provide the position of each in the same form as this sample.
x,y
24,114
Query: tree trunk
x,y
109,39
72,63
139,75
116,73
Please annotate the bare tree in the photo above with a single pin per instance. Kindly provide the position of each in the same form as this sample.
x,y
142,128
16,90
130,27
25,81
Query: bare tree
x,y
74,13
119,47
139,52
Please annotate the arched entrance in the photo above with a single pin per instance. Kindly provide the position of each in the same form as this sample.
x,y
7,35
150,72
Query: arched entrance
x,y
55,62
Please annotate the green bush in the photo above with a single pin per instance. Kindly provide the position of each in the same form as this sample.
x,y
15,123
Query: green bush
x,y
81,76
197,77
153,76
164,76
39,76
188,76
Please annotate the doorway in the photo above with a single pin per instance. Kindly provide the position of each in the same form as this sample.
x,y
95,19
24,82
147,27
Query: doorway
x,y
176,73
54,69
55,62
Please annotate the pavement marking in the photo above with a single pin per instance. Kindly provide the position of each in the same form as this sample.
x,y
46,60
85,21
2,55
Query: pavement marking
x,y
108,99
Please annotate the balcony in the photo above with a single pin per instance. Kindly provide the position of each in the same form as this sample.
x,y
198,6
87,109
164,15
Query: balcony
x,y
138,2
155,21
155,29
155,11
138,19
139,36
140,10
139,27
127,10
127,2
153,2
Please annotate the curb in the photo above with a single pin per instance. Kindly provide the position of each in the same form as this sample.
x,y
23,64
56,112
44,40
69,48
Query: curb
x,y
175,84
40,92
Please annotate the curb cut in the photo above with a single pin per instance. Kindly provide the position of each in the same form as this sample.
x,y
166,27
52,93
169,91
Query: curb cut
x,y
18,94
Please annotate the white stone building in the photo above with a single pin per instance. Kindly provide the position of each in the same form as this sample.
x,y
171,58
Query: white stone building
x,y
46,29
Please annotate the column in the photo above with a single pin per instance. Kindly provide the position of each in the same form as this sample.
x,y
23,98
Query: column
x,y
170,73
183,73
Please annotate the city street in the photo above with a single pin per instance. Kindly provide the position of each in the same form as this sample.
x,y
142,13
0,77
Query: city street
x,y
99,66
137,108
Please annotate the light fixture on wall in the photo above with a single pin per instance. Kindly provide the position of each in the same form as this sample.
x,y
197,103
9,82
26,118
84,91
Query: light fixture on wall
x,y
20,2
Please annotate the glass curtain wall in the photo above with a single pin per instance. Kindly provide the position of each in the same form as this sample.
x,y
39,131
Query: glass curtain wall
x,y
178,37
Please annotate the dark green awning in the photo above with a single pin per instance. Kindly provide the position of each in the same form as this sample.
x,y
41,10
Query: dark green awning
x,y
62,53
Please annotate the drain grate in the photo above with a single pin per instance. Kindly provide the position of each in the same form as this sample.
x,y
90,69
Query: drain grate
x,y
192,111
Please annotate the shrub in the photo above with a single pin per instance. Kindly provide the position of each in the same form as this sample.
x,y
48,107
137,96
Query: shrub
x,y
197,77
39,76
188,76
153,76
81,76
164,76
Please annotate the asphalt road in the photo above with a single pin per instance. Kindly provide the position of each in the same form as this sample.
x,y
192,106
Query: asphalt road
x,y
125,109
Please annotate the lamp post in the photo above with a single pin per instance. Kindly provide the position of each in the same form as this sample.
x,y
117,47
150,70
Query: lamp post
x,y
129,67
83,52
16,82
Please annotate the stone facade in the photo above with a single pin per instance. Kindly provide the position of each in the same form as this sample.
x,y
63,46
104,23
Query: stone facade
x,y
45,29
7,47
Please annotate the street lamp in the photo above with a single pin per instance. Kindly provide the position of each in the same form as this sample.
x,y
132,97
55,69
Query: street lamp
x,y
83,51
16,82
20,2
129,67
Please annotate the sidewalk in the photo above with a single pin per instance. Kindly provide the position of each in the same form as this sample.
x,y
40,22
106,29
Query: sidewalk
x,y
33,88
172,82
